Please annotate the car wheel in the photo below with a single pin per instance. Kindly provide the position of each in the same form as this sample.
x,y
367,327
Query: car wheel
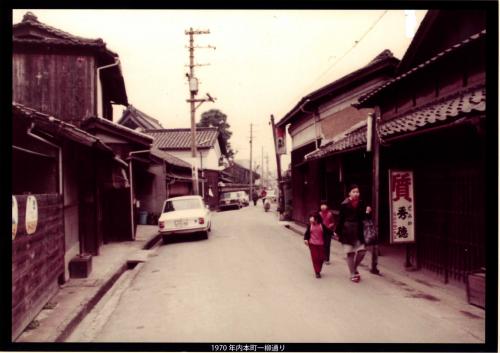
x,y
165,239
205,235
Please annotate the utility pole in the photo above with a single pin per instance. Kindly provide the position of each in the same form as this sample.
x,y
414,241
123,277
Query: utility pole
x,y
193,90
262,166
267,168
251,169
373,121
278,165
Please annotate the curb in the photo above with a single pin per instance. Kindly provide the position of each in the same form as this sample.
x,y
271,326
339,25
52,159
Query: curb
x,y
152,242
108,284
89,305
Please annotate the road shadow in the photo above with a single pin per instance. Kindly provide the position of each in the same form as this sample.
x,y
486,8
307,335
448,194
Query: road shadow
x,y
183,238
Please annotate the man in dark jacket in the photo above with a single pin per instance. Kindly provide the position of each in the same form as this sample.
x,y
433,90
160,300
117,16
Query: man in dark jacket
x,y
255,197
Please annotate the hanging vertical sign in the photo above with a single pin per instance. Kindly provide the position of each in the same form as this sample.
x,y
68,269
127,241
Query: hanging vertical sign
x,y
280,140
31,214
15,217
402,209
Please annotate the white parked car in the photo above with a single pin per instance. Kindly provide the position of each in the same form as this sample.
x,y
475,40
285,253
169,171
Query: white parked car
x,y
271,195
243,197
230,200
184,214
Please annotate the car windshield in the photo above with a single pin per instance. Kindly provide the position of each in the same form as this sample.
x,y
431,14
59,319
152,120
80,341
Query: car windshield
x,y
185,204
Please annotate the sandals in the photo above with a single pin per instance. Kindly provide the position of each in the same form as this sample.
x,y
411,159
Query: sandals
x,y
356,278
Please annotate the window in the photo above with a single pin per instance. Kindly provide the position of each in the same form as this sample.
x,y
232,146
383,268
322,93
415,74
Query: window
x,y
185,204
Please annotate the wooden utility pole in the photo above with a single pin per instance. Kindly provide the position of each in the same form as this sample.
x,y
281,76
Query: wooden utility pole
x,y
267,167
193,90
262,166
251,169
278,165
375,187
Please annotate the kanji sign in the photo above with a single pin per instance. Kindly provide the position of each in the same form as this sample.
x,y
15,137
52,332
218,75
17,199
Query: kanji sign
x,y
402,208
280,140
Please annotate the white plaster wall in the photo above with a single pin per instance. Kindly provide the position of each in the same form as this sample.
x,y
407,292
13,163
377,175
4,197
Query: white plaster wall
x,y
209,158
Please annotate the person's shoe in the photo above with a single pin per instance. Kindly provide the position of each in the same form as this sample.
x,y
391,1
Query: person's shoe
x,y
318,275
357,275
355,279
327,262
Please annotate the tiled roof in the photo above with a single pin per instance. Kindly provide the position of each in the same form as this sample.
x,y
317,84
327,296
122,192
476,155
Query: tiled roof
x,y
443,111
349,139
87,124
58,127
60,37
140,118
180,139
170,159
432,60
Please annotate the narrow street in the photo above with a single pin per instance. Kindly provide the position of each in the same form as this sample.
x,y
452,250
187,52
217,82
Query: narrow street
x,y
252,281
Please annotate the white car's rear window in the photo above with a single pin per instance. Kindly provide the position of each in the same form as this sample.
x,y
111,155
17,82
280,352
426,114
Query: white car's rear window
x,y
178,205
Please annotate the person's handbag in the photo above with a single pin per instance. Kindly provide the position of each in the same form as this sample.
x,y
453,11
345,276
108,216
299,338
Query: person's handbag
x,y
369,232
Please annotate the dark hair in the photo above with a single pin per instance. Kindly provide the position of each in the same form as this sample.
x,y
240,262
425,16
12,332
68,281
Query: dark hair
x,y
317,217
352,186
323,202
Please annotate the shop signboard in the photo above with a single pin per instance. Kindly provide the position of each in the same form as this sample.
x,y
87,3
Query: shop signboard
x,y
402,206
31,214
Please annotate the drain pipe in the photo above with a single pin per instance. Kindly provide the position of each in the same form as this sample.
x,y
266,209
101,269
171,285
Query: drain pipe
x,y
99,86
316,116
59,149
130,170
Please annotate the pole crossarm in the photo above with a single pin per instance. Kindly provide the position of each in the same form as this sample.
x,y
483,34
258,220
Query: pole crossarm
x,y
196,31
208,64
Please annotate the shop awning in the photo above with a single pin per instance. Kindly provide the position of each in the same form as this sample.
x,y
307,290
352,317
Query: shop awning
x,y
451,110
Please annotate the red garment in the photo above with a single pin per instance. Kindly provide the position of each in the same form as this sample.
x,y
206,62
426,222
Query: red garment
x,y
316,234
354,203
317,256
327,217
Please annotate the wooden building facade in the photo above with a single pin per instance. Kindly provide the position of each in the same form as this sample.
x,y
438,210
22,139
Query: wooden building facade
x,y
432,121
55,86
318,120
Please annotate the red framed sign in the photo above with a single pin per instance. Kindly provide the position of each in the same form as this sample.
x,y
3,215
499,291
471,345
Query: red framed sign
x,y
402,207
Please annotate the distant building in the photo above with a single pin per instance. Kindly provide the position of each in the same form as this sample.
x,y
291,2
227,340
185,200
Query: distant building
x,y
135,119
210,155
240,174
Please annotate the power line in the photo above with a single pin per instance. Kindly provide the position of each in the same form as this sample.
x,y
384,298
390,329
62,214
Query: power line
x,y
356,42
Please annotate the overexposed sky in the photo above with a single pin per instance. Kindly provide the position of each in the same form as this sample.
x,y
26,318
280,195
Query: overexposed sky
x,y
264,62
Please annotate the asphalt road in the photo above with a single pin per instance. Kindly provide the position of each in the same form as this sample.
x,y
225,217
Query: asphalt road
x,y
252,281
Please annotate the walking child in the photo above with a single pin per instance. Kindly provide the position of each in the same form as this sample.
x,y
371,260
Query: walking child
x,y
314,237
327,217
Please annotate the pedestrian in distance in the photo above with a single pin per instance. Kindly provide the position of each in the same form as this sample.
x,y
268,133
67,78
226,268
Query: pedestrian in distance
x,y
255,197
263,194
315,237
327,217
349,230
